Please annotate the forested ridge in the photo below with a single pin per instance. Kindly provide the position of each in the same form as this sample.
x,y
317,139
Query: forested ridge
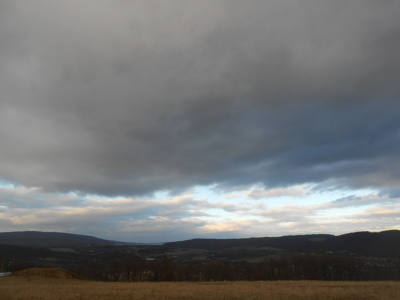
x,y
353,256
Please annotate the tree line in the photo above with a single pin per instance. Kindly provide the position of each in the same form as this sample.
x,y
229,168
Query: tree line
x,y
292,267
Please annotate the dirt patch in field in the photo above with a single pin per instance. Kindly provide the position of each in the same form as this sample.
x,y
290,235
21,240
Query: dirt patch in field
x,y
46,272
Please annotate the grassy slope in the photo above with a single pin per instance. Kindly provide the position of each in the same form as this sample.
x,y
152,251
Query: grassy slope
x,y
14,287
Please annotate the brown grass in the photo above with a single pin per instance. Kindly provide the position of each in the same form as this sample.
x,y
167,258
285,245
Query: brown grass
x,y
46,272
38,287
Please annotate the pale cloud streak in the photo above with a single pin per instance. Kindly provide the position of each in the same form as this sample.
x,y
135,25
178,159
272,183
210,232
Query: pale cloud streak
x,y
292,191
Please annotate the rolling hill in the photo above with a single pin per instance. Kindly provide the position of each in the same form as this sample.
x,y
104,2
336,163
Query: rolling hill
x,y
385,243
50,239
373,255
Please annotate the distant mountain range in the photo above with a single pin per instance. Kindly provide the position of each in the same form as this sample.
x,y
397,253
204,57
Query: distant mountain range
x,y
385,243
91,255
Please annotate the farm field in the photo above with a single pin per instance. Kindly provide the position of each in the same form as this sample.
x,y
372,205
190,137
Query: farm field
x,y
20,287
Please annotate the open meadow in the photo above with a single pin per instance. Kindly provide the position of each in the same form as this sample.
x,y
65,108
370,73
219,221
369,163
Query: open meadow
x,y
21,288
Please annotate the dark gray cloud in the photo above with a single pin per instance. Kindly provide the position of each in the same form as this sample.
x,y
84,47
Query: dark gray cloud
x,y
123,98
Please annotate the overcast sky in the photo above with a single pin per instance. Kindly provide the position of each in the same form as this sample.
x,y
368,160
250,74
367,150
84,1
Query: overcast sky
x,y
164,120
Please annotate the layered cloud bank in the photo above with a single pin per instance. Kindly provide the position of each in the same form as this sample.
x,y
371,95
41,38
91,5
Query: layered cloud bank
x,y
128,98
192,214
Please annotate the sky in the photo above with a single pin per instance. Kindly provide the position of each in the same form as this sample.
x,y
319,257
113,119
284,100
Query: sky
x,y
155,121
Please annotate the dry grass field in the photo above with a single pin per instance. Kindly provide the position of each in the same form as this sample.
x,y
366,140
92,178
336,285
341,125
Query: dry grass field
x,y
34,286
